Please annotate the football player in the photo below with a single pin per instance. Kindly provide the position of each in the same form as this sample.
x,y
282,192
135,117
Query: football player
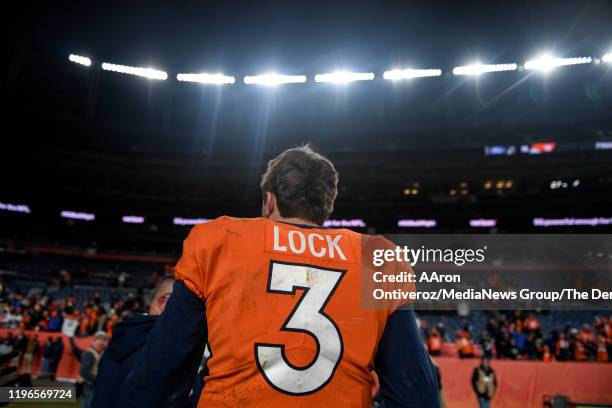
x,y
278,301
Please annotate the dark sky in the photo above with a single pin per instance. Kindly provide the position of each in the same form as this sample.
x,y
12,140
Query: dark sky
x,y
242,38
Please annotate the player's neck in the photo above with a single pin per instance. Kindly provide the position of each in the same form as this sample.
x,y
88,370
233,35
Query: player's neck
x,y
295,220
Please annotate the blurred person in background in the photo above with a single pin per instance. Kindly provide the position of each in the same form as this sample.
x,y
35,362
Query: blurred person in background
x,y
515,351
47,359
55,323
546,354
580,351
487,345
20,345
464,343
30,354
484,383
58,351
434,342
563,351
531,323
602,348
588,338
88,372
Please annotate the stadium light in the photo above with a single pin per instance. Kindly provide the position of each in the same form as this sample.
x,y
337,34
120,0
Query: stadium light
x,y
133,219
477,69
607,58
408,73
343,77
74,215
77,59
273,79
20,208
205,78
138,71
547,62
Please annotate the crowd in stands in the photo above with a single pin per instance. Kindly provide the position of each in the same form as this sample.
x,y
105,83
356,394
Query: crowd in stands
x,y
518,335
47,310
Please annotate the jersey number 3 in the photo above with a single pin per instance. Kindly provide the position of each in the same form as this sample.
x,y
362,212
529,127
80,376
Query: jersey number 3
x,y
308,316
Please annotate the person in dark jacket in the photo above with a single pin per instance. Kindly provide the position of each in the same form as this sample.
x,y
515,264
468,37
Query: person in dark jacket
x,y
129,337
47,359
58,351
484,383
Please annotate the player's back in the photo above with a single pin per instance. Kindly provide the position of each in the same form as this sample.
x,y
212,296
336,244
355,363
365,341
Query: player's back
x,y
285,321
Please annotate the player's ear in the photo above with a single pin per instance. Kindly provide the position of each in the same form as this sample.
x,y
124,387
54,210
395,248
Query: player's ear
x,y
268,205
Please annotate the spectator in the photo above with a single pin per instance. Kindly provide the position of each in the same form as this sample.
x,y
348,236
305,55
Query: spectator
x,y
30,354
58,351
563,351
21,344
520,340
47,360
441,329
588,339
487,345
503,344
580,352
484,383
464,344
514,351
55,323
89,367
434,342
602,348
8,346
547,355
531,323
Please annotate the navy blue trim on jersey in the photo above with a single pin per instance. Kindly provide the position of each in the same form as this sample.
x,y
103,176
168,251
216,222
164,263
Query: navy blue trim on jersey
x,y
305,226
167,366
405,371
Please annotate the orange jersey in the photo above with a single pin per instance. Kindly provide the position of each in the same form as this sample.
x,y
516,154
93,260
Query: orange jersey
x,y
286,326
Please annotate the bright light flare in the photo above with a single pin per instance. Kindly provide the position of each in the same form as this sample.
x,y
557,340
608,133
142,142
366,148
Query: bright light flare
x,y
274,79
343,77
477,69
409,73
607,58
205,78
138,71
78,59
547,62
